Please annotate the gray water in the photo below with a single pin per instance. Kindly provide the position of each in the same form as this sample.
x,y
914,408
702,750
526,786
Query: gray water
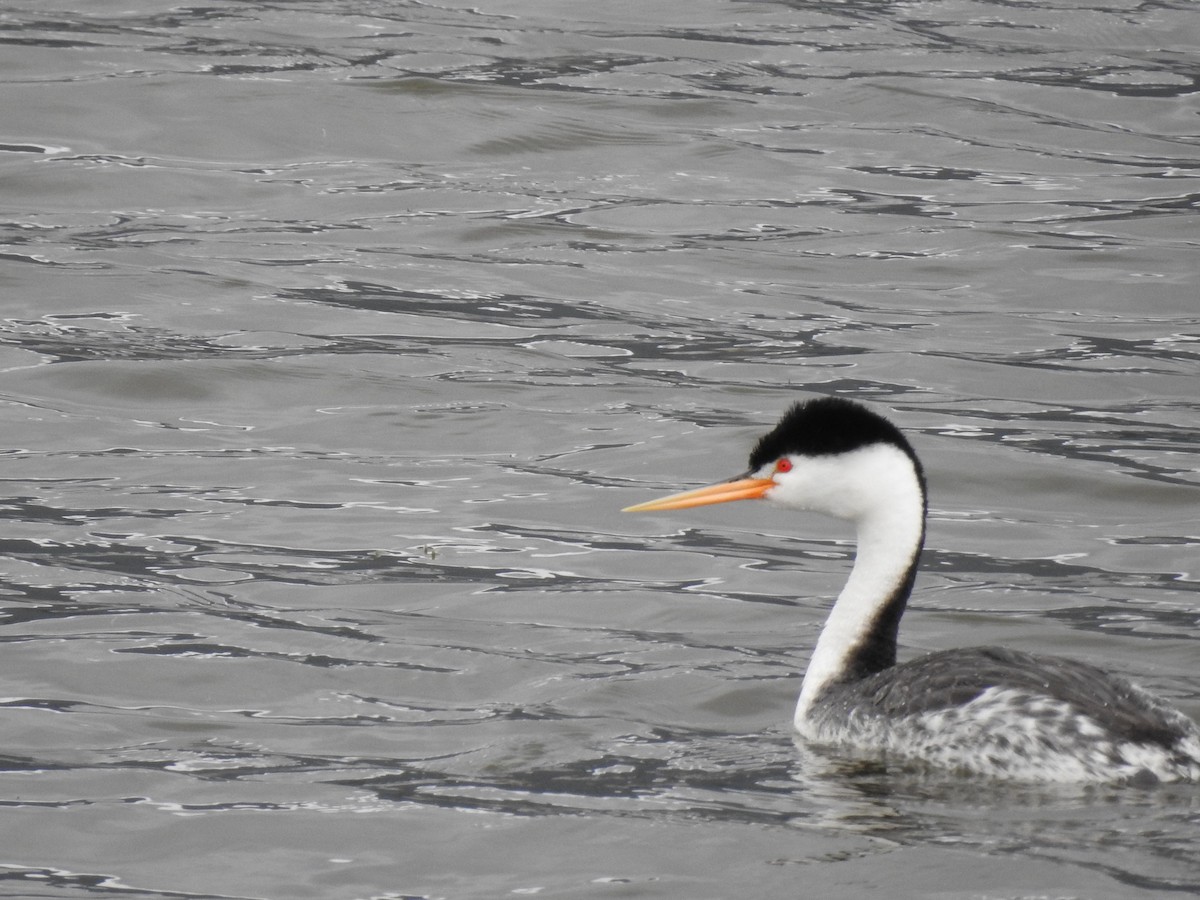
x,y
335,334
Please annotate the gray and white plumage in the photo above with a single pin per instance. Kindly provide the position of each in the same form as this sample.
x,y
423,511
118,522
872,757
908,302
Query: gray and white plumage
x,y
984,710
1007,714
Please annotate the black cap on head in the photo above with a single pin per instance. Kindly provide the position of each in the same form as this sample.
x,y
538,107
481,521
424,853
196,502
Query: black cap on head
x,y
827,426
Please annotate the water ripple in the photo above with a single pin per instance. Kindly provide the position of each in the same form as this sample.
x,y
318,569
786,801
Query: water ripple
x,y
338,333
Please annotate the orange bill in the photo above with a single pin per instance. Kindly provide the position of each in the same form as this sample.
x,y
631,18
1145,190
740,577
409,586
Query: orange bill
x,y
739,489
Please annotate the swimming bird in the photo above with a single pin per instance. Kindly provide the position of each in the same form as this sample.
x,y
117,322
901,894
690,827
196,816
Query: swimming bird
x,y
986,711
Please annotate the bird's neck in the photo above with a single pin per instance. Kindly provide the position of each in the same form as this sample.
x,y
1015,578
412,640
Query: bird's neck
x,y
859,637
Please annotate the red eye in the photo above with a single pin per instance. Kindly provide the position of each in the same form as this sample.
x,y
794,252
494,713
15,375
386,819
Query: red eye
x,y
783,465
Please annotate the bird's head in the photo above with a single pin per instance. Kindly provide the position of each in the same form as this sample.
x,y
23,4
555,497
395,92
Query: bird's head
x,y
829,455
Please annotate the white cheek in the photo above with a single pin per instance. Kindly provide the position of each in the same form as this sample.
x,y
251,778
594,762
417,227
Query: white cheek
x,y
853,485
817,484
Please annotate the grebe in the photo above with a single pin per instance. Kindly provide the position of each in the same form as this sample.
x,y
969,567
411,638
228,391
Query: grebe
x,y
983,710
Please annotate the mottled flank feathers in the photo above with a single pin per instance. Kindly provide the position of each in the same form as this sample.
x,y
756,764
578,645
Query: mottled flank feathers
x,y
1005,714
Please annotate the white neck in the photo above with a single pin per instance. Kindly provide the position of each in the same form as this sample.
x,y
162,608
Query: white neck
x,y
880,491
